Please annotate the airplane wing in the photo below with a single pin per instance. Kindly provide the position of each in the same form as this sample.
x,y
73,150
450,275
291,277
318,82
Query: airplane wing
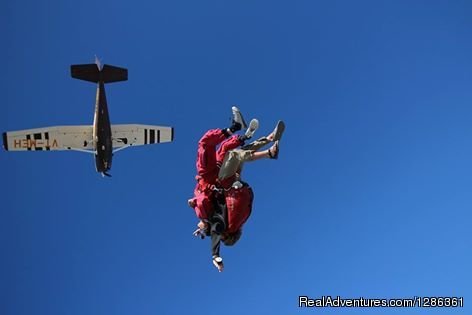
x,y
133,135
50,139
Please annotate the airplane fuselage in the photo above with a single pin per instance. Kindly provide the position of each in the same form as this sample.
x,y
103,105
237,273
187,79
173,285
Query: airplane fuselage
x,y
102,132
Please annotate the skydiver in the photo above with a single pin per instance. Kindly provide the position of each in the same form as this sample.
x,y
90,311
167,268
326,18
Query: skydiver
x,y
231,204
231,214
208,161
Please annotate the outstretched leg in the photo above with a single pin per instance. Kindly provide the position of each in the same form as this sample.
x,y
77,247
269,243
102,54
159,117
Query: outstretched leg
x,y
275,135
234,159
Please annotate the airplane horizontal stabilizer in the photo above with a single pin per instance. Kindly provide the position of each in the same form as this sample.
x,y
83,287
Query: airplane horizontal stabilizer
x,y
91,73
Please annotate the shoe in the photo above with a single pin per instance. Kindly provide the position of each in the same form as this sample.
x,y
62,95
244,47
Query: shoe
x,y
278,131
274,151
218,263
238,118
253,125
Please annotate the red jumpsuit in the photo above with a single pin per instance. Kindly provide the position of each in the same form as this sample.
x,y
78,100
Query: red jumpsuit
x,y
238,200
239,205
208,161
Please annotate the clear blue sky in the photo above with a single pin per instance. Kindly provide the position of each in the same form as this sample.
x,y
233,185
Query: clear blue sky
x,y
371,195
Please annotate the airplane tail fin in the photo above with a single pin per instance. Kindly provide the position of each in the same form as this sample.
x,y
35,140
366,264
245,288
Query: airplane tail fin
x,y
92,73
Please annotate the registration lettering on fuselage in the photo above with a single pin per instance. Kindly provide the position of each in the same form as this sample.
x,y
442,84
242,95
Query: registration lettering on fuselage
x,y
34,143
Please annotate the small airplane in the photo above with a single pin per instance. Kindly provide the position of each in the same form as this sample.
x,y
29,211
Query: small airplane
x,y
102,138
